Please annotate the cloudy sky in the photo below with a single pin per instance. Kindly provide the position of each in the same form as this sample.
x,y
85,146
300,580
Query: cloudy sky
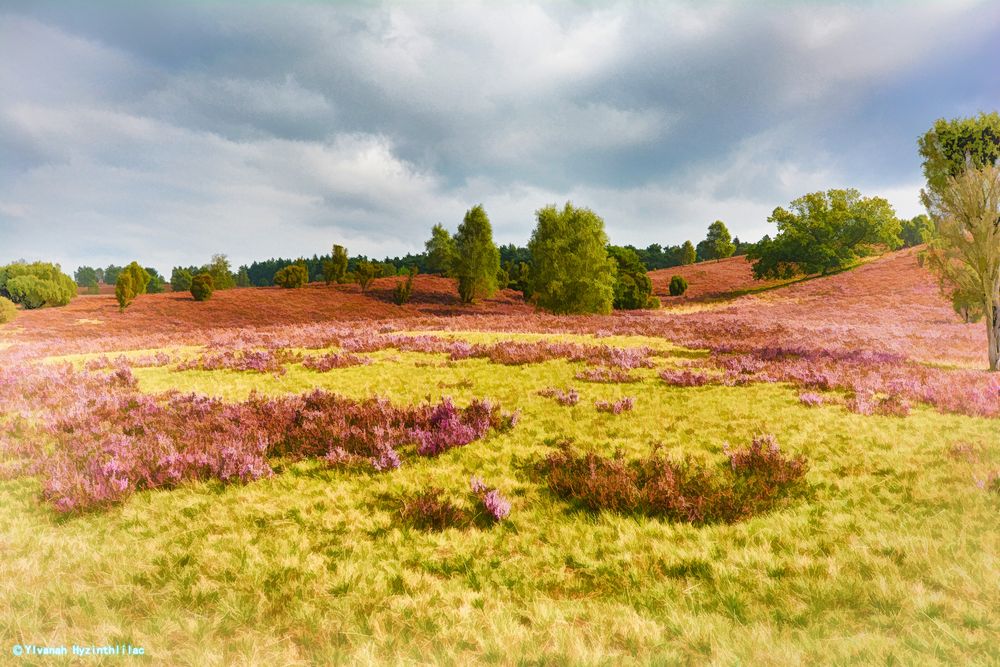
x,y
168,133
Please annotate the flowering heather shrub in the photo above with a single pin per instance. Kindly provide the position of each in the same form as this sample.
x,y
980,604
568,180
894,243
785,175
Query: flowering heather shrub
x,y
763,472
595,482
810,399
327,362
684,378
432,510
105,440
568,397
497,507
868,403
448,427
753,481
259,361
606,375
616,407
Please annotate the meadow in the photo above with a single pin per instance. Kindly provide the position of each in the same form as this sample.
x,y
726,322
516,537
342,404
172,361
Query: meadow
x,y
243,481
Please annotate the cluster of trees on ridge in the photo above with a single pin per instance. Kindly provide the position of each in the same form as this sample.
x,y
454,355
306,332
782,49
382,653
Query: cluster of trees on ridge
x,y
568,265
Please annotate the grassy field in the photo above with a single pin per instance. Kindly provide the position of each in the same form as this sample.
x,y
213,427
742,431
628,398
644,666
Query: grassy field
x,y
888,555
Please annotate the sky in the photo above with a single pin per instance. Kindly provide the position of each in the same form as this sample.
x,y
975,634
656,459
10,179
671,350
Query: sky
x,y
165,133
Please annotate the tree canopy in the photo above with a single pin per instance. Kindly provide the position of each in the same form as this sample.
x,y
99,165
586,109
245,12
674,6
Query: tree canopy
x,y
440,249
36,285
572,271
824,232
477,259
632,286
952,144
718,243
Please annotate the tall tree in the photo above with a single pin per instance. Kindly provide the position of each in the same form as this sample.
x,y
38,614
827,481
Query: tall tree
x,y
221,272
966,249
823,232
335,269
718,242
571,271
477,258
688,253
440,251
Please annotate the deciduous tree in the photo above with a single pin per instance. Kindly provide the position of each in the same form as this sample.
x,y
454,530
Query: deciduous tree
x,y
824,232
966,249
477,258
571,271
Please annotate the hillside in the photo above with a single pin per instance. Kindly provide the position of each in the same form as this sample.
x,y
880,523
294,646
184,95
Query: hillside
x,y
709,281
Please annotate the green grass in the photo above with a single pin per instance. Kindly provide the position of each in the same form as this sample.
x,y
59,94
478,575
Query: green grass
x,y
889,557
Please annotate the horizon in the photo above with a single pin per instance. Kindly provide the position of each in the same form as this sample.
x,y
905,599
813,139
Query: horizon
x,y
168,134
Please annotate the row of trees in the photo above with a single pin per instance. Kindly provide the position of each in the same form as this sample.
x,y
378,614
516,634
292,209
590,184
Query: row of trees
x,y
567,267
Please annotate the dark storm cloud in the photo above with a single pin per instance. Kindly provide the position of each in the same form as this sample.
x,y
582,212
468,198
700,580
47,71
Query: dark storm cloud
x,y
170,132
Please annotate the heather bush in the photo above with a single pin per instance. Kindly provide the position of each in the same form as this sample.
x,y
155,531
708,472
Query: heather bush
x,y
259,361
678,285
117,441
432,510
810,399
568,397
8,311
495,507
684,377
753,481
202,287
616,407
328,362
606,375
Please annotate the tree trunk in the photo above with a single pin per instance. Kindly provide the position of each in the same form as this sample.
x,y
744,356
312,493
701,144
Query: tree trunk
x,y
993,336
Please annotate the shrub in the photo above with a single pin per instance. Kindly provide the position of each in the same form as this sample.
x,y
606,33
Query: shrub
x,y
606,375
124,291
431,510
678,285
615,407
292,276
404,289
568,397
202,287
753,481
131,282
8,311
684,377
328,362
36,285
497,507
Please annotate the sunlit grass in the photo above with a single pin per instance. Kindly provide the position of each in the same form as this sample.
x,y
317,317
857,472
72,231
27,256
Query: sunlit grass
x,y
888,557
